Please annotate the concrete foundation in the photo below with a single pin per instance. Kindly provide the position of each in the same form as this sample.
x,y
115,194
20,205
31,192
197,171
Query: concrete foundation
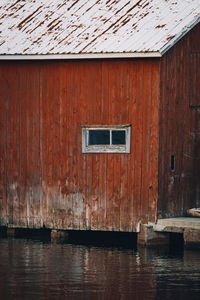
x,y
59,236
150,235
147,237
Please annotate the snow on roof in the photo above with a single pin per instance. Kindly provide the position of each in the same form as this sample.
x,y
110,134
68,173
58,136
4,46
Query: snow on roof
x,y
41,27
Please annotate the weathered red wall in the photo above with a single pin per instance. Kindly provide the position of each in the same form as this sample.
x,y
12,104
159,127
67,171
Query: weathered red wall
x,y
45,179
180,127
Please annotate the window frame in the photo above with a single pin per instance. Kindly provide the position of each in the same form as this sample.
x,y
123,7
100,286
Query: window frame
x,y
86,148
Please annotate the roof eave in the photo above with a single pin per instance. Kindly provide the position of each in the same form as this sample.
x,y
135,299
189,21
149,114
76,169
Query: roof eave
x,y
79,56
174,41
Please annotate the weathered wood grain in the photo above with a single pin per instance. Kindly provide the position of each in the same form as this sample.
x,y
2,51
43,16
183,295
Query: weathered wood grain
x,y
178,130
57,186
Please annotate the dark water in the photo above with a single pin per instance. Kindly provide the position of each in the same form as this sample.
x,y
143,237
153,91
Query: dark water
x,y
41,270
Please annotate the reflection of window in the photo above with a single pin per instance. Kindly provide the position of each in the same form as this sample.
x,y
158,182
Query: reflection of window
x,y
106,139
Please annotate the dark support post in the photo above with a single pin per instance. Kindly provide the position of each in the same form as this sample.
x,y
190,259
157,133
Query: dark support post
x,y
59,236
191,238
11,232
148,237
3,231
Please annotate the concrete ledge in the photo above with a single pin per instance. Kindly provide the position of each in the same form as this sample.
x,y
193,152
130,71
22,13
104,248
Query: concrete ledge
x,y
177,224
147,237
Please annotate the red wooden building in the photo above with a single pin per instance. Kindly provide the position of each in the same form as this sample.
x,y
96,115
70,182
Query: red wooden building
x,y
99,113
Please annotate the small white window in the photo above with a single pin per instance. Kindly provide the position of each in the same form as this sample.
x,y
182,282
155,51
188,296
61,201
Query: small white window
x,y
108,139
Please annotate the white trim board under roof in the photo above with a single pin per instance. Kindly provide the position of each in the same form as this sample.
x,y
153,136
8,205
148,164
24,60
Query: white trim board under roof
x,y
48,29
80,56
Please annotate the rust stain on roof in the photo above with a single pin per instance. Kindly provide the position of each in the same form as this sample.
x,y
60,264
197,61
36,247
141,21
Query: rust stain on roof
x,y
169,38
55,25
14,4
94,26
29,18
75,2
160,26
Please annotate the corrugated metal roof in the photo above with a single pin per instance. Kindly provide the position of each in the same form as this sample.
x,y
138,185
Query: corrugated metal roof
x,y
30,27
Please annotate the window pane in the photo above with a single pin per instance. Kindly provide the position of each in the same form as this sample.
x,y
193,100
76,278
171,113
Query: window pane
x,y
99,137
118,137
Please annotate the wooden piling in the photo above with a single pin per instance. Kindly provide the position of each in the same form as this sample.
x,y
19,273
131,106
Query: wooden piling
x,y
59,236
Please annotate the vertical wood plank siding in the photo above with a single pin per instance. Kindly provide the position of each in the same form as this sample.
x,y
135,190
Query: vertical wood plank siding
x,y
180,127
45,179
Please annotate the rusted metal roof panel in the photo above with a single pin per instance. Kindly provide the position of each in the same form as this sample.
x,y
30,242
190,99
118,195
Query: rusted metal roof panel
x,y
30,27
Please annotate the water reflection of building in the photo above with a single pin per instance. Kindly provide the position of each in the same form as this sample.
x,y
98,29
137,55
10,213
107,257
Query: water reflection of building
x,y
34,270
